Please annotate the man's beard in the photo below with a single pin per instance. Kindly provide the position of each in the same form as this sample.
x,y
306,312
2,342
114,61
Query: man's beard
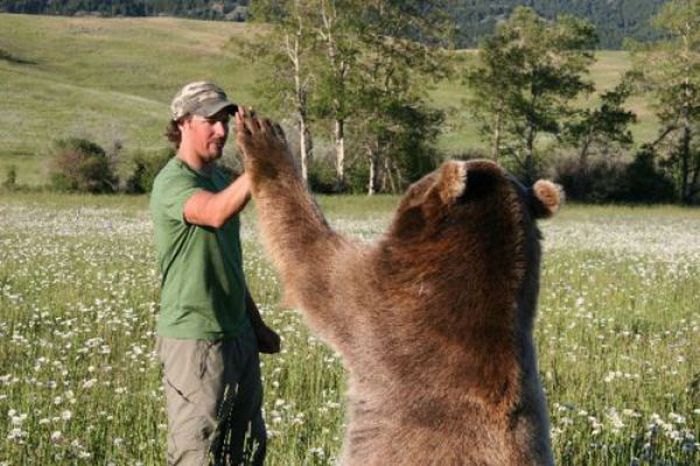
x,y
217,151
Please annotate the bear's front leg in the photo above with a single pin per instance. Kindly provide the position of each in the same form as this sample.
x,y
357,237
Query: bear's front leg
x,y
296,236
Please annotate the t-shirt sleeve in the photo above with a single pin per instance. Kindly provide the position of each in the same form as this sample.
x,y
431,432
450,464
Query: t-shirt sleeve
x,y
174,191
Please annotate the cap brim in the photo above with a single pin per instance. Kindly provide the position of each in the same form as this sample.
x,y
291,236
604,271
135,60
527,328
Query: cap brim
x,y
210,109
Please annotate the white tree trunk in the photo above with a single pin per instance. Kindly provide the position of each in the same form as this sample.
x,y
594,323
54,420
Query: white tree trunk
x,y
496,148
371,186
304,149
339,66
293,49
338,134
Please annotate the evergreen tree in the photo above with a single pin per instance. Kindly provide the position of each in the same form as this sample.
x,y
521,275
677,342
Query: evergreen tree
x,y
528,73
599,129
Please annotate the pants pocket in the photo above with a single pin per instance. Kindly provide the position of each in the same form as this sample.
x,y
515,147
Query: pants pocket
x,y
182,365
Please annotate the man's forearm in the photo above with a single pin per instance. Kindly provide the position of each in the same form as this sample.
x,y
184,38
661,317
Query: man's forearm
x,y
215,209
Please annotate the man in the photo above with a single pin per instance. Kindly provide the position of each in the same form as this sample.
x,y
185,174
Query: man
x,y
209,330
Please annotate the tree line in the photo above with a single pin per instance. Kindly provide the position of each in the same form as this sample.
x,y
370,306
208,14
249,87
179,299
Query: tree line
x,y
356,74
613,20
232,10
474,18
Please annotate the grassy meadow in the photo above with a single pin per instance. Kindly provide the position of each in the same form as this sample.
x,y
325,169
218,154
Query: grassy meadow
x,y
111,79
618,335
618,332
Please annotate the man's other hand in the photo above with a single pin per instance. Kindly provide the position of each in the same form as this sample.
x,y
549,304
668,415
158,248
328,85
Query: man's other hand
x,y
268,340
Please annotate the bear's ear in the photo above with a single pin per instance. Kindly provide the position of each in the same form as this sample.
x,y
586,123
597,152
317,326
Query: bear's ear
x,y
452,181
545,198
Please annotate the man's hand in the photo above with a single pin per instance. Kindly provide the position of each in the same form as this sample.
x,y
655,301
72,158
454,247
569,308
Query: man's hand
x,y
268,340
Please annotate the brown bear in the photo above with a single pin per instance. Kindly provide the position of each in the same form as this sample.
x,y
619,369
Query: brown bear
x,y
433,322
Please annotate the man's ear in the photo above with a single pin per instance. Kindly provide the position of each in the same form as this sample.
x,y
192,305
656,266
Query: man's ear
x,y
545,198
184,121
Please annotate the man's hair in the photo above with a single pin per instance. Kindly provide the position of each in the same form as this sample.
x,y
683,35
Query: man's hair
x,y
173,134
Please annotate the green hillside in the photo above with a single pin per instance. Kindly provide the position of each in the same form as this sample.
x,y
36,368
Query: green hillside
x,y
112,78
105,79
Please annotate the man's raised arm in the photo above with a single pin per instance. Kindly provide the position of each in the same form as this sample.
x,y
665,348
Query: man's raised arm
x,y
214,209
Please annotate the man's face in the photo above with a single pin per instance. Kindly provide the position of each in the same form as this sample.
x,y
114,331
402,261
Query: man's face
x,y
206,137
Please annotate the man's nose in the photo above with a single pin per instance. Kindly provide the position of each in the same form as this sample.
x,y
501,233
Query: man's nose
x,y
220,128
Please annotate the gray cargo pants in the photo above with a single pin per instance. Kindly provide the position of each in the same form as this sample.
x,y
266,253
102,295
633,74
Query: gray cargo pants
x,y
214,398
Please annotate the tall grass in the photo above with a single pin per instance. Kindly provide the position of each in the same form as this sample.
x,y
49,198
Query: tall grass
x,y
618,336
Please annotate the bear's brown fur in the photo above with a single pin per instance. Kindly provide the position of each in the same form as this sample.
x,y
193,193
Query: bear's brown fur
x,y
433,322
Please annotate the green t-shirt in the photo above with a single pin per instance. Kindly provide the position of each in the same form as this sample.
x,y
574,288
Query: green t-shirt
x,y
203,286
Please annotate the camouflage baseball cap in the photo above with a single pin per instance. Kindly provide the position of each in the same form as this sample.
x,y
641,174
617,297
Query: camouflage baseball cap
x,y
203,98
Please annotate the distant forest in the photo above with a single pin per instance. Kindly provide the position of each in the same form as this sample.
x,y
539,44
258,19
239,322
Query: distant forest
x,y
614,19
226,10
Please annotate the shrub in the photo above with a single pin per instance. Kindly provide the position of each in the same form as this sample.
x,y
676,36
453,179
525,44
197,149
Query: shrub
x,y
10,182
639,181
600,181
81,165
146,167
322,176
644,182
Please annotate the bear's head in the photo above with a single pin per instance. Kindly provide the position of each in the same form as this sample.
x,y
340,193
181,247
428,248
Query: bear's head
x,y
467,234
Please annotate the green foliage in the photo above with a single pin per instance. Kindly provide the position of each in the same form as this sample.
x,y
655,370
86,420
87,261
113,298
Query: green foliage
x,y
608,123
146,167
644,182
10,182
82,166
267,11
289,38
599,183
287,55
669,70
394,72
284,19
614,20
203,9
528,73
603,130
607,181
474,19
612,180
334,62
356,181
51,71
321,176
340,50
410,141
